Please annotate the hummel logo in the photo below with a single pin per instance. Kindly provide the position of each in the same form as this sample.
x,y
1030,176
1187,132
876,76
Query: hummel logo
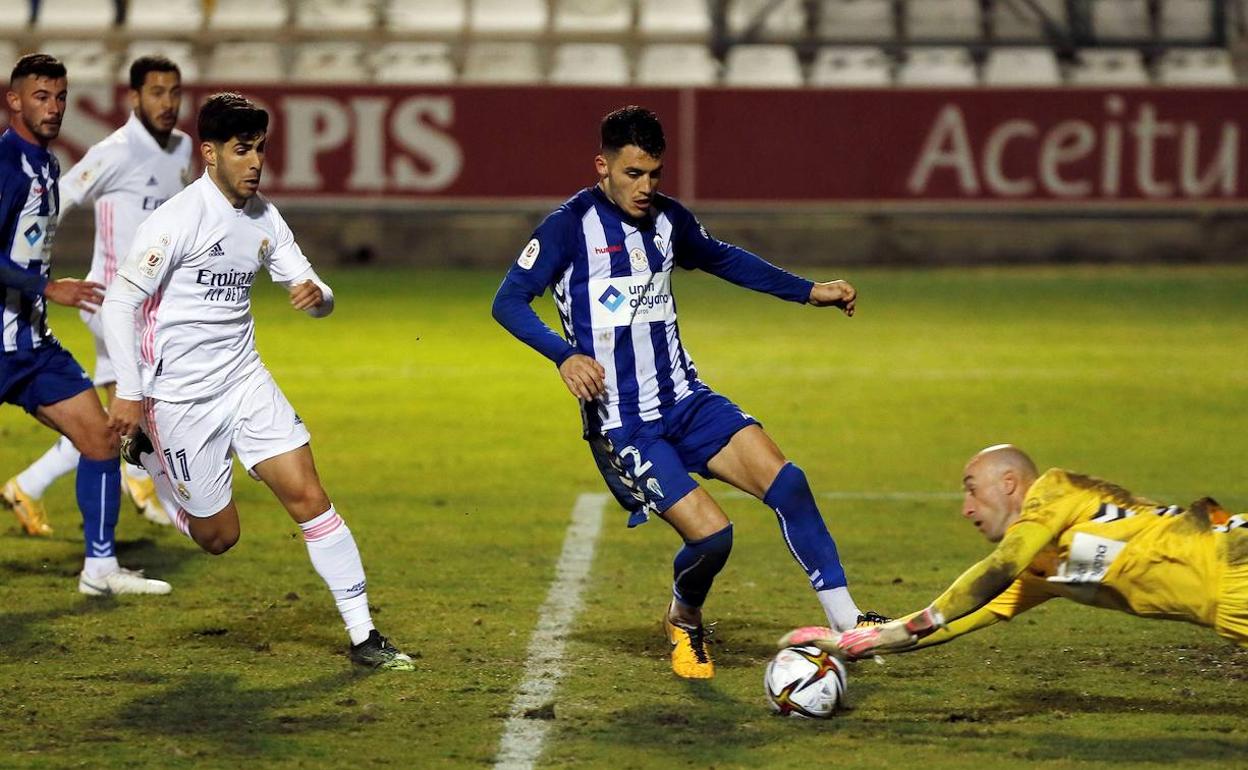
x,y
151,181
216,250
611,299
32,234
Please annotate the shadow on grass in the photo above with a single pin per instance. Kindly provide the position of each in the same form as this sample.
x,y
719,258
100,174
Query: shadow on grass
x,y
729,650
218,714
1034,702
1130,752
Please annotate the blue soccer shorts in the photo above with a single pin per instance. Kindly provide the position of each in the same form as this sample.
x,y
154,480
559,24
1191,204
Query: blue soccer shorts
x,y
647,466
39,377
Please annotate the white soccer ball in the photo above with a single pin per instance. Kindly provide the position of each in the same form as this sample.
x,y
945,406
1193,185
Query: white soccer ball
x,y
805,682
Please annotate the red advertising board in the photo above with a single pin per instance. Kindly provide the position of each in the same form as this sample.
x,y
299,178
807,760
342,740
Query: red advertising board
x,y
980,146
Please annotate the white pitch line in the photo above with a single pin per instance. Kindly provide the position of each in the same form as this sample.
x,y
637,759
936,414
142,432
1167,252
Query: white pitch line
x,y
523,736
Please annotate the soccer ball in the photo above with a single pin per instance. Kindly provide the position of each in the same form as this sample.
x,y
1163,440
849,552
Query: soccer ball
x,y
805,682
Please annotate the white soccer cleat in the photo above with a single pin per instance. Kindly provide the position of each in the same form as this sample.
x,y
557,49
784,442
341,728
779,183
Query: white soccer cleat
x,y
123,581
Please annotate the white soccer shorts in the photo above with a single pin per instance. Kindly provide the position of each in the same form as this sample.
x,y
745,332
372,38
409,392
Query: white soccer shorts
x,y
196,441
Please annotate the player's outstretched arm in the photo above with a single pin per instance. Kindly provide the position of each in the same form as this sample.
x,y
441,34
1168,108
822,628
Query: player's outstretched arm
x,y
836,293
117,317
913,632
71,292
585,377
310,294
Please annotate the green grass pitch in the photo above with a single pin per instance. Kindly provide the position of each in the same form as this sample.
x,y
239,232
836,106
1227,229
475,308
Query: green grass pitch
x,y
454,454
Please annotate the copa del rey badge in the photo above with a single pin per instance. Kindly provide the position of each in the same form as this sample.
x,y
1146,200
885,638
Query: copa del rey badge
x,y
528,257
637,258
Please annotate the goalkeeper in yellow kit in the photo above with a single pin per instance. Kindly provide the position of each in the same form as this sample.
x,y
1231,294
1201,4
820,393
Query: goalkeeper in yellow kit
x,y
1060,534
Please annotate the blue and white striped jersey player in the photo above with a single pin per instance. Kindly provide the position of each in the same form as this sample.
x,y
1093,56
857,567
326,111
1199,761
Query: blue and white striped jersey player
x,y
36,373
607,255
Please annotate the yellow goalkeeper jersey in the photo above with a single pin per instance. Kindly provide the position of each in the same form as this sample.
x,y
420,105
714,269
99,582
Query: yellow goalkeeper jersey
x,y
1111,549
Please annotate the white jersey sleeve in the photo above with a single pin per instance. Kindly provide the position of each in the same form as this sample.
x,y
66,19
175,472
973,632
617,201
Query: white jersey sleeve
x,y
158,247
285,261
88,177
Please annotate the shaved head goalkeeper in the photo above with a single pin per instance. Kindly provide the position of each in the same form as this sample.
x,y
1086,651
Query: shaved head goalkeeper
x,y
1063,534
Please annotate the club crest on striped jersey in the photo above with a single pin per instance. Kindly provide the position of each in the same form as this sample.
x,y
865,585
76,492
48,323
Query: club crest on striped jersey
x,y
637,259
528,257
149,265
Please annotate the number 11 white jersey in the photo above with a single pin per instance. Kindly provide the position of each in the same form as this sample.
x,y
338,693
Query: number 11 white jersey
x,y
196,258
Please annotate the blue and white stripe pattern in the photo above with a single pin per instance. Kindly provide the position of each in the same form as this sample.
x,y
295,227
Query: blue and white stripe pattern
x,y
29,204
611,276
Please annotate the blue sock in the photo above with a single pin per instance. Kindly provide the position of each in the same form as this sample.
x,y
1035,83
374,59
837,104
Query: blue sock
x,y
99,499
697,564
803,528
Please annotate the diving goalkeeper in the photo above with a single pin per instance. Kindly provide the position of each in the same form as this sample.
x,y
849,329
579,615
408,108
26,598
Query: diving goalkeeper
x,y
1061,534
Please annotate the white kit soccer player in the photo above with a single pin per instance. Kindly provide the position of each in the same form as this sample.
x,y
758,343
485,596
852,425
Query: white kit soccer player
x,y
178,326
127,175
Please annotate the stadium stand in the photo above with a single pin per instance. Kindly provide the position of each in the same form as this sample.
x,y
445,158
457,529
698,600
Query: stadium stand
x,y
89,62
602,64
15,15
75,16
426,16
246,15
1108,68
245,62
330,62
176,50
1181,20
593,16
1034,66
330,15
677,64
856,20
774,19
509,17
1195,67
164,16
1120,19
413,63
836,67
502,62
1016,20
762,66
942,20
680,19
937,66
958,43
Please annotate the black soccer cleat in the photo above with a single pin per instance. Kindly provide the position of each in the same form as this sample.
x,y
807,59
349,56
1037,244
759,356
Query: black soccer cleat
x,y
134,447
377,652
868,619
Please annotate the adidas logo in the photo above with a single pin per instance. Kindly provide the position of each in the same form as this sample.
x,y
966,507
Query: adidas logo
x,y
216,250
151,181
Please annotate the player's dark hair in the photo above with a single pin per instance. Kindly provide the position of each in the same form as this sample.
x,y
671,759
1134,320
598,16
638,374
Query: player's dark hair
x,y
226,115
40,65
145,64
633,125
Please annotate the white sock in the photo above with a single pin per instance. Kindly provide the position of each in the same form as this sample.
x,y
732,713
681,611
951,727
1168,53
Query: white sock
x,y
56,462
839,606
336,559
97,567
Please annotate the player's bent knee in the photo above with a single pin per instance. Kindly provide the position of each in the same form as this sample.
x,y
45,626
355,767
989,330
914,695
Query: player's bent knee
x,y
789,483
217,543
